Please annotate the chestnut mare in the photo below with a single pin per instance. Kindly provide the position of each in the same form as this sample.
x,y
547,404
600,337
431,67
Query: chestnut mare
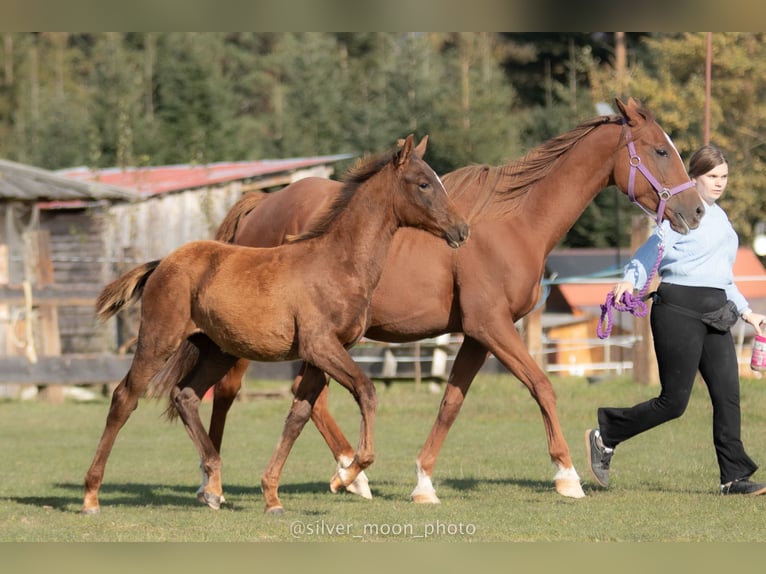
x,y
309,300
518,212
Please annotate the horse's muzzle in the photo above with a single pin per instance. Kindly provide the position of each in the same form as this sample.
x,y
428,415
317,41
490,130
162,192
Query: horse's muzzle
x,y
457,235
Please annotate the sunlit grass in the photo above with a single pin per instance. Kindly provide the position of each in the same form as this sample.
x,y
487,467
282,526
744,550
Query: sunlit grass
x,y
493,476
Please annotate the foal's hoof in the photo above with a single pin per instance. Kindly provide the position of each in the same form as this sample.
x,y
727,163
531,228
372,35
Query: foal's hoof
x,y
336,482
274,510
570,488
212,500
91,511
425,498
360,486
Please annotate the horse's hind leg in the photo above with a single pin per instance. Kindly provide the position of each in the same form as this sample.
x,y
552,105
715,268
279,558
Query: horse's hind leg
x,y
211,365
334,437
469,360
226,390
124,402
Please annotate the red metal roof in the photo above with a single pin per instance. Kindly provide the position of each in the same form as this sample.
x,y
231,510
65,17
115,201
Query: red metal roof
x,y
153,180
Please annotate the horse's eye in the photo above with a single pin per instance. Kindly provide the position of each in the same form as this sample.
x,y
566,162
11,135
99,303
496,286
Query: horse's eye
x,y
424,186
662,152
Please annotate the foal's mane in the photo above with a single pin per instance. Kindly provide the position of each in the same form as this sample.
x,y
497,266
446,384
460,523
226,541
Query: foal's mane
x,y
501,184
361,172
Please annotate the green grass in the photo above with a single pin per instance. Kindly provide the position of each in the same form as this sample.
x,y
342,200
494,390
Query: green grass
x,y
493,476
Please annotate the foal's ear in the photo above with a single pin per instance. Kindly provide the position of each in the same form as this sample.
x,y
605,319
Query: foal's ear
x,y
420,149
406,151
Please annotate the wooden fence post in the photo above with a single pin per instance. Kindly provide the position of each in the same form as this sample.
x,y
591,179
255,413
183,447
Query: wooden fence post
x,y
48,336
533,335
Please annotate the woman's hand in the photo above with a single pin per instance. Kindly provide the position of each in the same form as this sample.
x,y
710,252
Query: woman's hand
x,y
620,288
755,319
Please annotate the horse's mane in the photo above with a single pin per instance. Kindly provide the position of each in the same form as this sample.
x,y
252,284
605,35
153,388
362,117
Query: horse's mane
x,y
501,184
358,174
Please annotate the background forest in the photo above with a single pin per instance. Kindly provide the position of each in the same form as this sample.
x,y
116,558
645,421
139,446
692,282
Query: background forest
x,y
139,99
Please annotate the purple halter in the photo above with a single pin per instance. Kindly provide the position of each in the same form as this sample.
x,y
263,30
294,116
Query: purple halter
x,y
664,193
635,304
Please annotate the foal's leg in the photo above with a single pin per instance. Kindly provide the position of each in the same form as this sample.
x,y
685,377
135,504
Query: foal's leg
x,y
211,365
469,360
299,414
500,336
363,391
226,390
124,401
334,437
334,360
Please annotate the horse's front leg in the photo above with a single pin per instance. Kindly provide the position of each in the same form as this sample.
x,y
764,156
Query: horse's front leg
x,y
333,359
503,340
297,417
334,437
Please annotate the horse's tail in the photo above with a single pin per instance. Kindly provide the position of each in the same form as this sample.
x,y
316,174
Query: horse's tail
x,y
228,227
175,369
124,290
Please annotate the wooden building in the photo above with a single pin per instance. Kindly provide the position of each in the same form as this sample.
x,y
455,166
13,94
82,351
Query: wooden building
x,y
31,298
64,235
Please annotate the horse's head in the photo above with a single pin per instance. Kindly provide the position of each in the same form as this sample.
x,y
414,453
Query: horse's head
x,y
422,200
650,171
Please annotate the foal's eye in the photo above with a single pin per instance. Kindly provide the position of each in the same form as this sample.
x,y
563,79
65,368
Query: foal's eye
x,y
424,186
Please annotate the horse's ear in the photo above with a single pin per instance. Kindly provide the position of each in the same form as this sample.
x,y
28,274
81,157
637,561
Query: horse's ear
x,y
632,111
406,151
420,149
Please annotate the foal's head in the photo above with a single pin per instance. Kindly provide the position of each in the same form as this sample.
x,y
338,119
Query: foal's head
x,y
417,194
420,199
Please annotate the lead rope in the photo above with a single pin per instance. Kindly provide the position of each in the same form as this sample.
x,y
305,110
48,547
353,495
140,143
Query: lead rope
x,y
633,304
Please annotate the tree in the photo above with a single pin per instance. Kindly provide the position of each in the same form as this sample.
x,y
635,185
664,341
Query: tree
x,y
671,80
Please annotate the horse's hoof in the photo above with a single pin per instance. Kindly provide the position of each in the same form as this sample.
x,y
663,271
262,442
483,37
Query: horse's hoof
x,y
274,510
425,498
360,486
202,496
569,487
212,500
91,511
336,483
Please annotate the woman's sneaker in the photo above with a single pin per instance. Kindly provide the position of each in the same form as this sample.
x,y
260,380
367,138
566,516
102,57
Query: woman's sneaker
x,y
743,486
599,457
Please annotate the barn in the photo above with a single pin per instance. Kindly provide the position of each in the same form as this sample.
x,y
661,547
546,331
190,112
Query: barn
x,y
33,301
64,235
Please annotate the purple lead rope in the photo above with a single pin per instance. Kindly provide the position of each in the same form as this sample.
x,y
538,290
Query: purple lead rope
x,y
633,304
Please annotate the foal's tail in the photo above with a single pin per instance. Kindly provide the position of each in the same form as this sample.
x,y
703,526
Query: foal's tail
x,y
180,364
228,227
124,291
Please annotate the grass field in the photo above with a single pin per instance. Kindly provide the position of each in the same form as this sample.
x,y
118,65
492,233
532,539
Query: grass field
x,y
494,476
